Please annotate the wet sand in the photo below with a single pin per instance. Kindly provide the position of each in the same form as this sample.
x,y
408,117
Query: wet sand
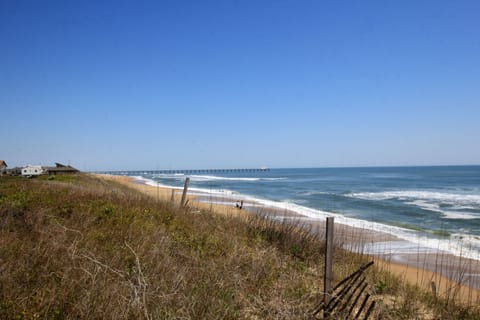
x,y
453,276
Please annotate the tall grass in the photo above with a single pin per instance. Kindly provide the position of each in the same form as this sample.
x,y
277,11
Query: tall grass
x,y
90,249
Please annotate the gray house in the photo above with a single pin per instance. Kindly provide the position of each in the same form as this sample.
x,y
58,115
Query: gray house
x,y
60,169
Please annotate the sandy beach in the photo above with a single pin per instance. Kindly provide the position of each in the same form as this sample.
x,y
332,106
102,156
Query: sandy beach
x,y
452,276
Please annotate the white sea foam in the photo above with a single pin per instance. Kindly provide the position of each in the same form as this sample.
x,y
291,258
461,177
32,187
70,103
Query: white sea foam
x,y
315,193
450,205
212,178
453,198
216,192
460,215
449,214
297,201
149,182
169,176
390,247
464,208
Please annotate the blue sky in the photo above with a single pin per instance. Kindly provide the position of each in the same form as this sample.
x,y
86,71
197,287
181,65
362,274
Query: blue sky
x,y
107,85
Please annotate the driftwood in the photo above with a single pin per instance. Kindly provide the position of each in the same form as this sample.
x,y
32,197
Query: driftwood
x,y
349,298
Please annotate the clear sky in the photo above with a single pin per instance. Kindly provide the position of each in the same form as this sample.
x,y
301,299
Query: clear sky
x,y
107,85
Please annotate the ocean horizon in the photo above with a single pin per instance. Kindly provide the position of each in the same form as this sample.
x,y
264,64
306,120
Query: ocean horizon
x,y
434,208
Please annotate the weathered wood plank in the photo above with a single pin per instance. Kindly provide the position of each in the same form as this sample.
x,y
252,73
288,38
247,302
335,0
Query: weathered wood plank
x,y
346,294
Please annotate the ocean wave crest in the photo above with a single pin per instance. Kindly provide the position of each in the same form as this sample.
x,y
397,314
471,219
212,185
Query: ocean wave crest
x,y
448,198
212,178
457,198
450,205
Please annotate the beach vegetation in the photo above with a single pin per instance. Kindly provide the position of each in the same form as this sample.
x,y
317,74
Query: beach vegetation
x,y
86,248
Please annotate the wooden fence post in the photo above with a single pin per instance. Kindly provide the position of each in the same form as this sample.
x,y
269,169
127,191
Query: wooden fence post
x,y
172,197
185,188
434,288
327,278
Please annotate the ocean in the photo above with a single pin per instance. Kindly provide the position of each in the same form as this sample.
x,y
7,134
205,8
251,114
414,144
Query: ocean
x,y
432,208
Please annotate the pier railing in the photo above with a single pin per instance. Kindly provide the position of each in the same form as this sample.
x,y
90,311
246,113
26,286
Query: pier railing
x,y
189,171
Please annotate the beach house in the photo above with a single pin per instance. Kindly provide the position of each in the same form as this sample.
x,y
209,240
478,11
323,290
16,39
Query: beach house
x,y
60,169
32,170
3,167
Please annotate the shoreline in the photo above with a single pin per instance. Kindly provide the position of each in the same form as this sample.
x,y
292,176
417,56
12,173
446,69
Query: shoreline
x,y
451,274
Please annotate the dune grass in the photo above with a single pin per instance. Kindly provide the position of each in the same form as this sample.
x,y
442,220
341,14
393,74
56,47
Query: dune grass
x,y
78,247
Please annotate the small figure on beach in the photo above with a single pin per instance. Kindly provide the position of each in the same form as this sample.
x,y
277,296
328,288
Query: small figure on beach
x,y
239,206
